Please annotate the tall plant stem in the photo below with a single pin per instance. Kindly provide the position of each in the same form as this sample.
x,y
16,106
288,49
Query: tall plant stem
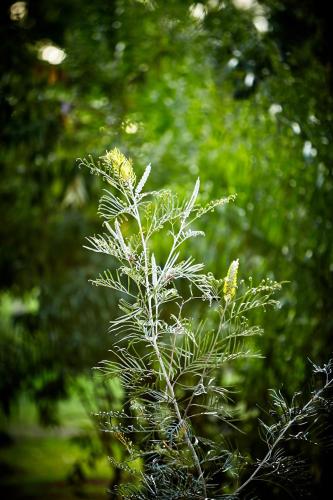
x,y
181,420
154,330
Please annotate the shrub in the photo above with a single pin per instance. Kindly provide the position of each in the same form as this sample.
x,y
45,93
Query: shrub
x,y
173,425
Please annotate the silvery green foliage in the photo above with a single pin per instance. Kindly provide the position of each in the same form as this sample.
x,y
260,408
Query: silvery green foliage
x,y
169,363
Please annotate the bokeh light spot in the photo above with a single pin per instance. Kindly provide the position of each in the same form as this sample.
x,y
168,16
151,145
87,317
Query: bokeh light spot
x,y
18,11
51,54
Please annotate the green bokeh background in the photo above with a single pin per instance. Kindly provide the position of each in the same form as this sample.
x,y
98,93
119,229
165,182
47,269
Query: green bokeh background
x,y
236,92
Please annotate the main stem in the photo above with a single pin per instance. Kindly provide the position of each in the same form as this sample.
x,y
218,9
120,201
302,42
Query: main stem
x,y
154,326
181,420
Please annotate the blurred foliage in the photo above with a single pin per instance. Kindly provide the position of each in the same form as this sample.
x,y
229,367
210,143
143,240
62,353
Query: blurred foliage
x,y
237,92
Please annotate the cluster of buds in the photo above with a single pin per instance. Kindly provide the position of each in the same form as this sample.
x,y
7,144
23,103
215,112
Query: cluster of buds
x,y
169,277
230,282
121,166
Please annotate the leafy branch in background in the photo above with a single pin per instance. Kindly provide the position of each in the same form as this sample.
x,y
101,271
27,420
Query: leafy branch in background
x,y
170,363
298,421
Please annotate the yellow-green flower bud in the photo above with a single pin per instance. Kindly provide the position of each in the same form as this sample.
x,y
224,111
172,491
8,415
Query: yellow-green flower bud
x,y
230,282
121,166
